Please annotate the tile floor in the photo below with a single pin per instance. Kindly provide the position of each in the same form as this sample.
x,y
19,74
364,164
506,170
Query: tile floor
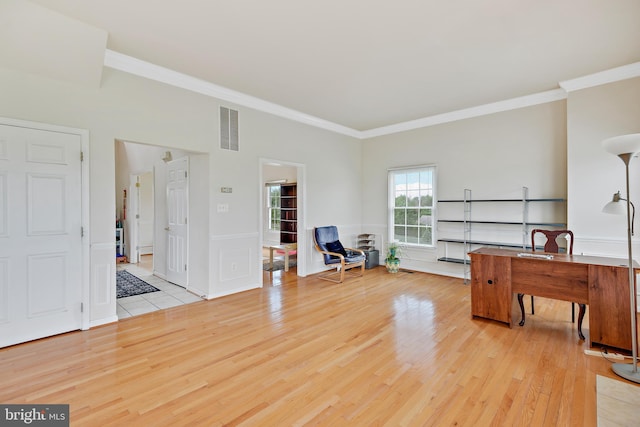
x,y
169,295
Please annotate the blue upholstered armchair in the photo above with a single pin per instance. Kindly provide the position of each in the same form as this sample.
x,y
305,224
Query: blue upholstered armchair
x,y
327,242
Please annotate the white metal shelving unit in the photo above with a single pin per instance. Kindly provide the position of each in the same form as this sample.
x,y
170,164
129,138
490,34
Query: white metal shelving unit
x,y
467,222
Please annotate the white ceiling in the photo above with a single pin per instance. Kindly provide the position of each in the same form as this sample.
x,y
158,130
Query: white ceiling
x,y
365,64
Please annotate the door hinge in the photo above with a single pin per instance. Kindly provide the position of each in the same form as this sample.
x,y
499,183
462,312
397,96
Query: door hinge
x,y
81,231
185,267
185,174
81,307
137,216
82,156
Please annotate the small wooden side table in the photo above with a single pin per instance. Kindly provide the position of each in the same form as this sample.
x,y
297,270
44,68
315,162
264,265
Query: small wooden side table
x,y
287,249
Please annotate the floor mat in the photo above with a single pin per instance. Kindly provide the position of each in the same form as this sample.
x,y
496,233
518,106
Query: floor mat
x,y
128,285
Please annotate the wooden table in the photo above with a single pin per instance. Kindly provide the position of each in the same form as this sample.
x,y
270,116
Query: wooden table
x,y
286,249
602,283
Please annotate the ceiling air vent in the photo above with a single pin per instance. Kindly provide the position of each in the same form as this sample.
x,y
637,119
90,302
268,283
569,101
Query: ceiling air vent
x,y
228,129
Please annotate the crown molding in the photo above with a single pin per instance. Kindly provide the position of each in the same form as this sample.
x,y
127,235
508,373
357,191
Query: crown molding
x,y
467,113
131,65
603,77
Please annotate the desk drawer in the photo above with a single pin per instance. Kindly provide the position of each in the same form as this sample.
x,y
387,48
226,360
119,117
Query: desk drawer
x,y
551,279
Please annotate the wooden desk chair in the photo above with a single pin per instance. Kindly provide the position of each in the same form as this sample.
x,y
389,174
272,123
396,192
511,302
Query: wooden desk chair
x,y
335,255
551,245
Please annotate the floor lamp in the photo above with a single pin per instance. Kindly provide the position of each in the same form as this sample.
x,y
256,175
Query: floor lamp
x,y
626,147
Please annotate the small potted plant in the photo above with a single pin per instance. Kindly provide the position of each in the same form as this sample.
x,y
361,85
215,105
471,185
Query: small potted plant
x,y
392,261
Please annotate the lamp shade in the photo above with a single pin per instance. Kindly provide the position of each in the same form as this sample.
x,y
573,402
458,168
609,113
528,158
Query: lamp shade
x,y
615,208
622,144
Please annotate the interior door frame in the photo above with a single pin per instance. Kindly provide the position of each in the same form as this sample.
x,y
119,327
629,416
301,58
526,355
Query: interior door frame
x,y
84,205
301,172
133,214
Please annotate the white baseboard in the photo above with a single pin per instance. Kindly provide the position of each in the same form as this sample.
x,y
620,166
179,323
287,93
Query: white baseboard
x,y
100,322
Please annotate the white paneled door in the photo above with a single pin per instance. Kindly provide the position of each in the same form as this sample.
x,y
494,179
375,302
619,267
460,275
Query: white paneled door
x,y
40,234
177,214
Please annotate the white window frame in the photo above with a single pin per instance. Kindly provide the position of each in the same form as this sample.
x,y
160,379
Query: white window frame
x,y
393,191
271,208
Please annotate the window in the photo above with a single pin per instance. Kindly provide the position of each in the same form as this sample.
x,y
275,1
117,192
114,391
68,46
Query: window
x,y
411,196
273,207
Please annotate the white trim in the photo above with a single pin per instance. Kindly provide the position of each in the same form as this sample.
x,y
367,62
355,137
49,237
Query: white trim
x,y
162,276
140,68
86,227
42,126
468,113
131,65
414,167
104,246
603,77
221,237
105,321
215,295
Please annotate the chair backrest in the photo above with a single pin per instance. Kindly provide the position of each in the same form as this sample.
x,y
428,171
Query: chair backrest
x,y
324,235
551,245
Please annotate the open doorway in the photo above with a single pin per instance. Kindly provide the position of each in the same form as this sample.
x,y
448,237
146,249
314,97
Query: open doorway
x,y
150,182
282,221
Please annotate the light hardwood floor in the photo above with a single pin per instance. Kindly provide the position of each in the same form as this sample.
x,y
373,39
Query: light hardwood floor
x,y
381,350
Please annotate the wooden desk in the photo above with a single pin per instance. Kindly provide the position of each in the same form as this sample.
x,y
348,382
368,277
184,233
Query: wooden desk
x,y
602,283
286,249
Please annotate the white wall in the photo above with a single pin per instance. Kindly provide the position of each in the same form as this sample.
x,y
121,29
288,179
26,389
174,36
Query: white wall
x,y
199,257
594,175
494,156
554,149
130,108
328,197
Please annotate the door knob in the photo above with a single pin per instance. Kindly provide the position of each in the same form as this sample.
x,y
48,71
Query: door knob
x,y
167,229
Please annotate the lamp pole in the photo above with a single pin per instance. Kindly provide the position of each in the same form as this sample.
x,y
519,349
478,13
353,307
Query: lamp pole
x,y
626,147
629,372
